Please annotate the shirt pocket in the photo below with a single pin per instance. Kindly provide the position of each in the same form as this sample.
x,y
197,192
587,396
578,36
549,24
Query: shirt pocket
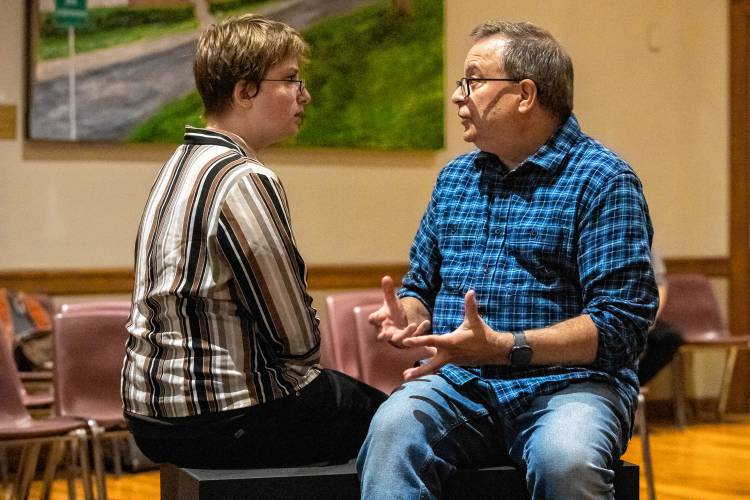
x,y
542,250
460,242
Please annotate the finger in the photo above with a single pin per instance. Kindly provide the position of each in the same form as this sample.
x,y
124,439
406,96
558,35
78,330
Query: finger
x,y
389,292
378,317
386,330
433,365
403,334
424,341
423,328
471,311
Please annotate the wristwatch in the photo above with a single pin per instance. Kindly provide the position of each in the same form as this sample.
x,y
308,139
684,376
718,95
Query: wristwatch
x,y
521,352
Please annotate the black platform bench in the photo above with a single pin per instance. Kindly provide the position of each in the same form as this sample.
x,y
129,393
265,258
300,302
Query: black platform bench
x,y
339,482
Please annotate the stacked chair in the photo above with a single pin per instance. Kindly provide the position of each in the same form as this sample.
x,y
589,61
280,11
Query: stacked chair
x,y
339,349
89,350
17,428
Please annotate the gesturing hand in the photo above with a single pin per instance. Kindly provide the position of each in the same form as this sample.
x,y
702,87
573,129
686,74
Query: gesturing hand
x,y
472,343
392,320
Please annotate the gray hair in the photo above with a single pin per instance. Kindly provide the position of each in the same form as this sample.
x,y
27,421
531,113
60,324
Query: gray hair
x,y
533,53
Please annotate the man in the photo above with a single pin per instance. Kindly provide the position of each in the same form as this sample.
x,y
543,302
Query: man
x,y
531,267
221,368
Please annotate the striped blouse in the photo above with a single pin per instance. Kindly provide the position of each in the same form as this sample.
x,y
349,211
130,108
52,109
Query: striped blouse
x,y
221,317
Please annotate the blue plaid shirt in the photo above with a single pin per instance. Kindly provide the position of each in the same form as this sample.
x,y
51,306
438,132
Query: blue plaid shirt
x,y
566,233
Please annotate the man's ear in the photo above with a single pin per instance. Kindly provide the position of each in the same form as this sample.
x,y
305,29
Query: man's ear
x,y
243,93
529,96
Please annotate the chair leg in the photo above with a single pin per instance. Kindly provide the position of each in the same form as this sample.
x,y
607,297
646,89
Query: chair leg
x,y
26,470
648,468
678,390
726,380
56,451
4,466
70,466
99,472
83,449
117,456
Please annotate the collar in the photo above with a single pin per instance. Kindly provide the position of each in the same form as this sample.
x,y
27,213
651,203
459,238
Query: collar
x,y
549,157
204,136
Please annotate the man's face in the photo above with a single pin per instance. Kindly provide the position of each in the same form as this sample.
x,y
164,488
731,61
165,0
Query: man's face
x,y
280,104
486,112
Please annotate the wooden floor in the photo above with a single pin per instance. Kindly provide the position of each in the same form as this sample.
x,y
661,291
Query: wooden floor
x,y
703,462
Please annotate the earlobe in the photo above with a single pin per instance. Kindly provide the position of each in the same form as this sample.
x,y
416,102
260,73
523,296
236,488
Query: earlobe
x,y
528,95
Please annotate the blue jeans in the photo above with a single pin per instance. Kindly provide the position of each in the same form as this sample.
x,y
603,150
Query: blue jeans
x,y
567,442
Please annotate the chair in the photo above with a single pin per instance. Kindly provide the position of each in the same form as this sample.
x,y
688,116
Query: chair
x,y
339,349
381,364
692,307
98,305
642,427
89,351
18,428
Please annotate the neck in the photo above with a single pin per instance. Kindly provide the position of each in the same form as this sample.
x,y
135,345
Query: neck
x,y
230,124
530,138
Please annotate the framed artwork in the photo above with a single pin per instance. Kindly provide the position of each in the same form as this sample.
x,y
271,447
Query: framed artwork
x,y
120,71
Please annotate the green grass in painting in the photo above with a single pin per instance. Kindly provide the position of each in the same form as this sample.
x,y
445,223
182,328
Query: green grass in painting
x,y
171,121
112,26
225,8
376,79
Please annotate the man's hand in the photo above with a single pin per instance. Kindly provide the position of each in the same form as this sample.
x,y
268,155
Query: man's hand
x,y
472,343
392,318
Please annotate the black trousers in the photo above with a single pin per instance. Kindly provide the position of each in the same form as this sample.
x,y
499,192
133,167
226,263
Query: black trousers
x,y
662,344
326,422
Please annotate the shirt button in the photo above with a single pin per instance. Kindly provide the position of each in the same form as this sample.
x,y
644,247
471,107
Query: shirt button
x,y
497,231
532,233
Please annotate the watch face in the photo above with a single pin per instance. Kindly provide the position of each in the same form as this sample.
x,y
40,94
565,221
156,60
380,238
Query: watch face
x,y
520,356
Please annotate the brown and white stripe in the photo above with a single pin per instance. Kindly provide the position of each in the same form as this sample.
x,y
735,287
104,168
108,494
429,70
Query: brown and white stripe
x,y
221,317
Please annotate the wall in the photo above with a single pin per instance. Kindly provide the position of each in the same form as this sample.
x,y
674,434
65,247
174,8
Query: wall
x,y
651,82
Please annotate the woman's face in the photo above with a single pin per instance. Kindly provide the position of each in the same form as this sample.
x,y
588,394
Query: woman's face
x,y
280,101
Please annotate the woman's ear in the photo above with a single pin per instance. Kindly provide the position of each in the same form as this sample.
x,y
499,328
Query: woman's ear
x,y
243,93
529,95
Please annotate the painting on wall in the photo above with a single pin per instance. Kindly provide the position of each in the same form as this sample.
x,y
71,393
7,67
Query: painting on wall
x,y
121,70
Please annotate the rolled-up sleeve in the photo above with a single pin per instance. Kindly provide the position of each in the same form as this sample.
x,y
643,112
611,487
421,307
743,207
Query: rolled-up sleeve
x,y
423,279
617,280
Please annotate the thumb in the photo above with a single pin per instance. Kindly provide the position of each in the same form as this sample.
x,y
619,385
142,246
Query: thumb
x,y
471,311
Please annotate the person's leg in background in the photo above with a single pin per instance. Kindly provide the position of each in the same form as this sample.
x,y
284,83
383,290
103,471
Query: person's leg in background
x,y
662,344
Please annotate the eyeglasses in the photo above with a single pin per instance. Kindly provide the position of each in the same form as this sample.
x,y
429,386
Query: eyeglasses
x,y
301,83
466,82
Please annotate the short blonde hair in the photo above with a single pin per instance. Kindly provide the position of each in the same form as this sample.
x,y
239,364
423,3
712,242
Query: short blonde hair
x,y
240,48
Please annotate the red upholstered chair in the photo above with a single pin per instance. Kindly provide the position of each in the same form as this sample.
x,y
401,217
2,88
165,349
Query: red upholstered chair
x,y
381,364
692,307
17,428
89,352
338,348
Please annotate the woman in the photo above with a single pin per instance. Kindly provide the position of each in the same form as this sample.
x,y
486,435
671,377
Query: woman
x,y
221,368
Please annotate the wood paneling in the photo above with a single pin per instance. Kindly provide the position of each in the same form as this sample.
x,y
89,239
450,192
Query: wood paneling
x,y
328,277
120,280
7,121
739,191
